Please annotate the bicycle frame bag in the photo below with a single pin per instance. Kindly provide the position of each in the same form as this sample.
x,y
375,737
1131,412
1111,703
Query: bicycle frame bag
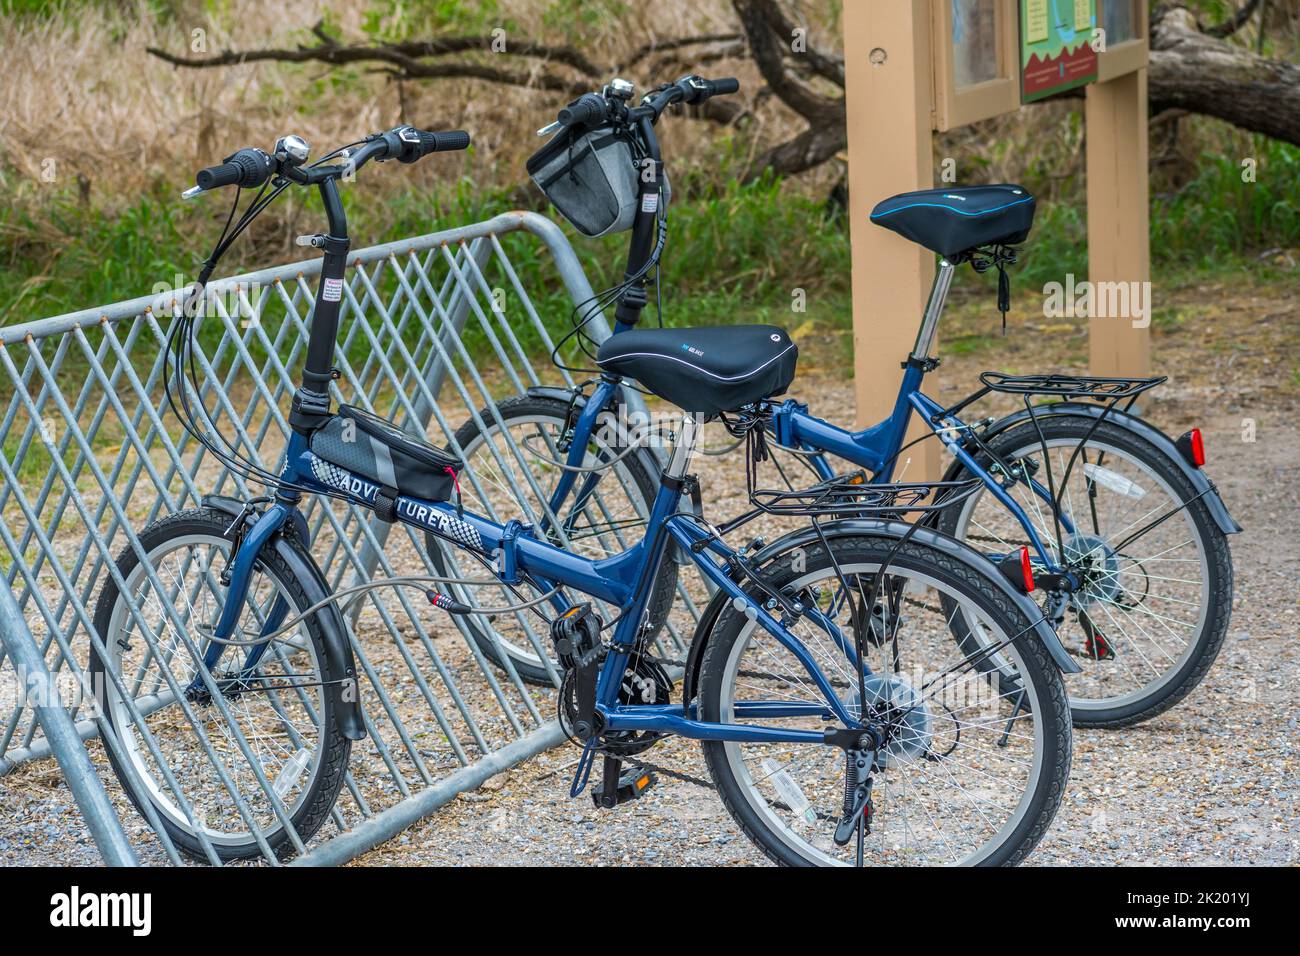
x,y
590,176
376,449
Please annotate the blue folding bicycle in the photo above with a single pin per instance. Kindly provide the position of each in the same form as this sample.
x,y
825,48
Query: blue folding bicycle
x,y
1125,532
840,722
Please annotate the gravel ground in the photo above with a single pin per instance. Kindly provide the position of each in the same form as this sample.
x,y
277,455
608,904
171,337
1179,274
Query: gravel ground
x,y
1213,781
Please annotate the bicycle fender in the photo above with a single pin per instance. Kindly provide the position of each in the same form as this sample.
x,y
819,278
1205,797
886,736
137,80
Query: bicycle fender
x,y
339,667
875,528
1140,427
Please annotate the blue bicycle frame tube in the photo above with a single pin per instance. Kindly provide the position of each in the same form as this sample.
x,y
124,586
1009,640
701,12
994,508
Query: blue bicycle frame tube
x,y
872,448
583,429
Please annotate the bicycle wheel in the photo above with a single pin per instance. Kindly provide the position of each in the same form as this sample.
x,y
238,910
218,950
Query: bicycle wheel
x,y
282,716
1152,615
609,521
968,772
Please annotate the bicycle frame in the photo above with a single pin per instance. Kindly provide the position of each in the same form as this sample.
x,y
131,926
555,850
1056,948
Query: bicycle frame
x,y
624,579
876,449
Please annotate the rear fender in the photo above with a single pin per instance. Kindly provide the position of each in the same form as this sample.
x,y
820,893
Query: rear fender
x,y
1144,429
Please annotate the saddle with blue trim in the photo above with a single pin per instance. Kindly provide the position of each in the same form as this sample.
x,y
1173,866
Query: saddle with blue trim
x,y
954,222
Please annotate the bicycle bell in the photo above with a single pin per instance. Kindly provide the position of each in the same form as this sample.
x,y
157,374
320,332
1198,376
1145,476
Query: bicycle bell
x,y
292,149
619,89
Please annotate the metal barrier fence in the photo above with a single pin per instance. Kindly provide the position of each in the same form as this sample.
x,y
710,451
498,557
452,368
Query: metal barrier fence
x,y
433,329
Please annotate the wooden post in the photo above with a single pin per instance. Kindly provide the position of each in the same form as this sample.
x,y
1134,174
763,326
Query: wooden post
x,y
1118,220
887,72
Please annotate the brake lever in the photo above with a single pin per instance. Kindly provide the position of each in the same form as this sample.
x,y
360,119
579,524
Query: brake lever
x,y
192,192
549,128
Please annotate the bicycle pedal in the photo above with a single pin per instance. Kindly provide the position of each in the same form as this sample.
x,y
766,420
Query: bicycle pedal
x,y
631,784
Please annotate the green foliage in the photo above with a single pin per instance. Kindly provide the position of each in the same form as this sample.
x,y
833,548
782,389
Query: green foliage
x,y
735,252
1220,212
563,15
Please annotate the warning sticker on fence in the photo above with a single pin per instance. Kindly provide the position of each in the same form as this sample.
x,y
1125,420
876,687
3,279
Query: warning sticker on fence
x,y
333,290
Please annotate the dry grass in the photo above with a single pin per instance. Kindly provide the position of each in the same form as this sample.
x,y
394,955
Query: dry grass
x,y
81,90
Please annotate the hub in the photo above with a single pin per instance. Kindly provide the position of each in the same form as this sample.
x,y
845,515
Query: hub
x,y
907,722
1099,565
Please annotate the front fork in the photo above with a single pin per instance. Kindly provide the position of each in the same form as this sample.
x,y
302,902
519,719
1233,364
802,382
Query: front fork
x,y
237,577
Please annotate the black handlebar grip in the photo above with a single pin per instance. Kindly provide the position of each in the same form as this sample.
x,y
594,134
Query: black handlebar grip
x,y
725,86
443,142
247,168
214,177
586,109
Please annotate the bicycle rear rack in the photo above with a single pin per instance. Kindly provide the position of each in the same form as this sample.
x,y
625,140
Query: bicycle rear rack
x,y
849,497
846,496
1097,387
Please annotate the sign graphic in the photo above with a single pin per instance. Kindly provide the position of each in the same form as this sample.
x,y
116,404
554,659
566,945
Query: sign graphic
x,y
1056,46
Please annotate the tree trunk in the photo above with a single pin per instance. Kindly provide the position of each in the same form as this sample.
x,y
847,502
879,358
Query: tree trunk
x,y
1196,72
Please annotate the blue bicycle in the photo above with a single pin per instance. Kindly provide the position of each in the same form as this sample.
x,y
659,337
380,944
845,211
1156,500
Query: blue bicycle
x,y
839,721
1126,533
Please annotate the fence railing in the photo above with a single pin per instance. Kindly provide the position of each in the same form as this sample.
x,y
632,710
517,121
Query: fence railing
x,y
434,331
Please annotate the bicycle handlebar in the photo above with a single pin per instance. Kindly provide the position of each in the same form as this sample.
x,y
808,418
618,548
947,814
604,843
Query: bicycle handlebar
x,y
445,142
587,109
723,87
592,109
246,168
251,167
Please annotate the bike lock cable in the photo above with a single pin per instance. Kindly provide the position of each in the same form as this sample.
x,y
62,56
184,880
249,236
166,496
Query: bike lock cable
x,y
597,303
357,592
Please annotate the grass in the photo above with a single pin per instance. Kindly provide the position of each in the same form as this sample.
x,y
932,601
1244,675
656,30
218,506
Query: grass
x,y
735,252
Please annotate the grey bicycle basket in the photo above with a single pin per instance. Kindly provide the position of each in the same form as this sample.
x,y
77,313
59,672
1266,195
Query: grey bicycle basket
x,y
591,178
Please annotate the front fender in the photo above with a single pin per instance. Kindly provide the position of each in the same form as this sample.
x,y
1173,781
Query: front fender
x,y
881,529
1144,429
339,667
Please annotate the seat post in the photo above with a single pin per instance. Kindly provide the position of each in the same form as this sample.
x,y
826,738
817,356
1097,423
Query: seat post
x,y
933,309
684,448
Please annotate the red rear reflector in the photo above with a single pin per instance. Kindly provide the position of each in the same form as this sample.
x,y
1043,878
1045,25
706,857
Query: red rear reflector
x,y
1026,570
1198,448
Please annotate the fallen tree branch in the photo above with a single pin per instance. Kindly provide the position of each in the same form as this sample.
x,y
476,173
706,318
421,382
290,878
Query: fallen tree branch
x,y
409,60
1235,22
1194,71
769,32
665,46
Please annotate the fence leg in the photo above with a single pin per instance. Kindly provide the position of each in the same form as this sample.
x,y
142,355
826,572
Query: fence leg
x,y
62,735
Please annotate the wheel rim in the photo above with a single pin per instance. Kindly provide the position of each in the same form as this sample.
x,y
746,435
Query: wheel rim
x,y
603,529
1151,608
911,825
277,724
